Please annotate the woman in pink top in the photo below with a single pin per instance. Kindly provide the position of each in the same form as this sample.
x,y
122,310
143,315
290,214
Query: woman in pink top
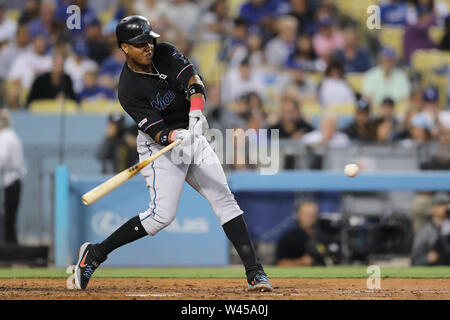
x,y
327,39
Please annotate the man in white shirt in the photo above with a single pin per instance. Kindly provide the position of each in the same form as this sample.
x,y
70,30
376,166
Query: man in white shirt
x,y
7,27
386,80
12,171
30,64
241,80
14,49
78,64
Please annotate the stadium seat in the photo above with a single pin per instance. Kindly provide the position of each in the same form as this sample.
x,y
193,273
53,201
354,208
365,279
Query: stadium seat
x,y
311,109
357,9
234,7
425,60
342,109
393,37
101,107
206,54
436,34
53,106
355,79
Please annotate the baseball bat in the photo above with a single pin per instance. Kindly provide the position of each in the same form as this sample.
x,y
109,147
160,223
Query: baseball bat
x,y
109,185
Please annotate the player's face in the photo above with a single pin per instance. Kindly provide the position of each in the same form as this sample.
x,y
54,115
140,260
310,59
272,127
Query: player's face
x,y
141,53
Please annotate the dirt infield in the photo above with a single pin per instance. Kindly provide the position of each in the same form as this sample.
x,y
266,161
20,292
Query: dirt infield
x,y
224,289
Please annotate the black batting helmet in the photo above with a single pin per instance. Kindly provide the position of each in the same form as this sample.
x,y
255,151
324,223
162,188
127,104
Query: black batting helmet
x,y
134,30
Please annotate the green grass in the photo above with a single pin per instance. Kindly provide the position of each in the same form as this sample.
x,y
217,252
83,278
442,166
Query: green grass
x,y
234,272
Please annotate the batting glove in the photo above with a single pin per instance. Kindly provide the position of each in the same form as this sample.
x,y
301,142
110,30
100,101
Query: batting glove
x,y
185,135
197,123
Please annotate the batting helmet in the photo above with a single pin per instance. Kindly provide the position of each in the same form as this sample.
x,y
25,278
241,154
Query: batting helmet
x,y
134,30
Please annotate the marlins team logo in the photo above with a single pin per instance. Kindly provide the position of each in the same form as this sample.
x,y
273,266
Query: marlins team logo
x,y
161,103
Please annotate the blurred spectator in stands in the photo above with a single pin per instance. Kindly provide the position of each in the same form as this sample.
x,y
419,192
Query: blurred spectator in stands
x,y
25,68
306,244
97,46
386,80
122,9
353,56
238,81
304,87
114,152
414,106
279,48
218,115
184,15
55,84
327,134
304,56
77,64
236,40
423,251
440,160
258,12
8,27
328,39
153,10
420,210
431,117
92,91
437,7
253,51
301,11
387,125
292,125
445,41
417,36
45,22
30,11
419,131
111,68
215,22
334,89
128,153
9,53
393,13
12,171
363,128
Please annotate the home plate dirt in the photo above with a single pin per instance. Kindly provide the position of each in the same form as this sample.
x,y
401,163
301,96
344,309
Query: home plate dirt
x,y
224,289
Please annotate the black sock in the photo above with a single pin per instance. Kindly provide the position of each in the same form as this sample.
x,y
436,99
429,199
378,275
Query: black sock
x,y
236,231
130,231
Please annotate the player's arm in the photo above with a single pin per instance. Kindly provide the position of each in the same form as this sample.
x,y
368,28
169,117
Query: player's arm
x,y
197,96
183,71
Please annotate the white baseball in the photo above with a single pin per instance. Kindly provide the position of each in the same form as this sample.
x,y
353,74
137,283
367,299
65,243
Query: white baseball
x,y
351,170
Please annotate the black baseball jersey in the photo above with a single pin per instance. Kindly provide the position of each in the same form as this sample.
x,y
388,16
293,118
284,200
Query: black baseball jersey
x,y
158,102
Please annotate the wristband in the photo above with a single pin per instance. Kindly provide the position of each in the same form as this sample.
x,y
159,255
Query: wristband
x,y
173,135
164,137
197,103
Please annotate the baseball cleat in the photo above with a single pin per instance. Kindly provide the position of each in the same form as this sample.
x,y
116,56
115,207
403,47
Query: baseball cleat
x,y
86,265
260,282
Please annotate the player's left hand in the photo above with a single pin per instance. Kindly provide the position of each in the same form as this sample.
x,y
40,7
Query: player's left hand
x,y
197,123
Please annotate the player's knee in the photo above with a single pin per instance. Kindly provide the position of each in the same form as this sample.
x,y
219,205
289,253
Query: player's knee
x,y
154,221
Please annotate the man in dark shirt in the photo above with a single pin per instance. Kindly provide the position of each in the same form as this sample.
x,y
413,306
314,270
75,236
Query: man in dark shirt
x,y
363,127
53,84
303,246
291,125
160,89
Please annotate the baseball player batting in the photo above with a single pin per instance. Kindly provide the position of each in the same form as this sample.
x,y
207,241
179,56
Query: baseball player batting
x,y
160,89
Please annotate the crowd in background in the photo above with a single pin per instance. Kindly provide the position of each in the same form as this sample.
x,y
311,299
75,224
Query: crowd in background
x,y
303,48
